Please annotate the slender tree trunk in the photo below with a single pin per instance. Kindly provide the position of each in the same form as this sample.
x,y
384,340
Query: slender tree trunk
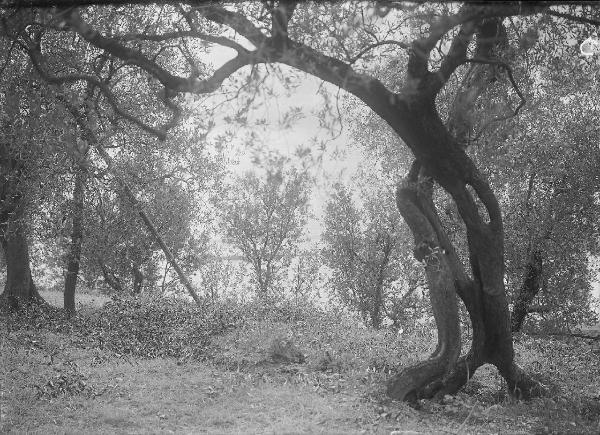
x,y
164,279
74,255
532,283
90,135
378,308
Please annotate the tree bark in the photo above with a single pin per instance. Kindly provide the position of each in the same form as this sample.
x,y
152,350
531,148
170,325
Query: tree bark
x,y
483,295
441,153
411,199
74,255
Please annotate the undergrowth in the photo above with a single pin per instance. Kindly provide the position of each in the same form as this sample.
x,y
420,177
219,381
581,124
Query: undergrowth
x,y
141,327
345,362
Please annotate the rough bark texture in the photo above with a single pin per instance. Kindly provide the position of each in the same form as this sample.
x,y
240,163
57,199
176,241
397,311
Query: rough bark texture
x,y
412,198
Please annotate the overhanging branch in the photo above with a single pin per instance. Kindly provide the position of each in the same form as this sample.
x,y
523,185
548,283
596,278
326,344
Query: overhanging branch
x,y
220,40
160,133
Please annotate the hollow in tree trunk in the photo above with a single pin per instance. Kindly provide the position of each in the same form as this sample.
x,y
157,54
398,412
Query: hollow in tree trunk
x,y
483,295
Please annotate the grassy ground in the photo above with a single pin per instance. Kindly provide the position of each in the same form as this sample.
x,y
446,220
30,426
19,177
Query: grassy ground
x,y
58,380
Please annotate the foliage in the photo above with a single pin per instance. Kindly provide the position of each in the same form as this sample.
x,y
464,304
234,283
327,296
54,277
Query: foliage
x,y
139,57
367,248
544,166
67,382
263,217
234,374
305,278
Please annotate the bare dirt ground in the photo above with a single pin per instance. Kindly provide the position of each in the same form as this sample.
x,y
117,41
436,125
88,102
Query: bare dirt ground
x,y
53,382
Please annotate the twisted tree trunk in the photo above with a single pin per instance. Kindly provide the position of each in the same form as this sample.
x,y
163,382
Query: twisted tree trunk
x,y
413,199
483,294
482,290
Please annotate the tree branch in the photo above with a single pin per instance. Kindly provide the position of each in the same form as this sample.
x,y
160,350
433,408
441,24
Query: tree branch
x,y
280,17
514,85
160,133
370,47
172,82
220,40
575,18
219,15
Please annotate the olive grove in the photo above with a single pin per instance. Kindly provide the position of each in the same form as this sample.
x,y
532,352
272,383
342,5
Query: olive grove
x,y
401,60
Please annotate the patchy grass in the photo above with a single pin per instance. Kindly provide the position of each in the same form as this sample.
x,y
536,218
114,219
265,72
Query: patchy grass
x,y
214,374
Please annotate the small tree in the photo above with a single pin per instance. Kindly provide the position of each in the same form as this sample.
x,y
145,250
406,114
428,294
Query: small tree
x,y
263,217
365,246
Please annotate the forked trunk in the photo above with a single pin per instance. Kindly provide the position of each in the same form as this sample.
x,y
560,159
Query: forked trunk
x,y
483,294
440,153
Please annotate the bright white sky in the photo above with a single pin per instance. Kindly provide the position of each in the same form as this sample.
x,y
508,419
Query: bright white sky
x,y
339,160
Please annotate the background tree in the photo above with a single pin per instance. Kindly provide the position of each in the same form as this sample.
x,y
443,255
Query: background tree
x,y
263,216
366,246
305,277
